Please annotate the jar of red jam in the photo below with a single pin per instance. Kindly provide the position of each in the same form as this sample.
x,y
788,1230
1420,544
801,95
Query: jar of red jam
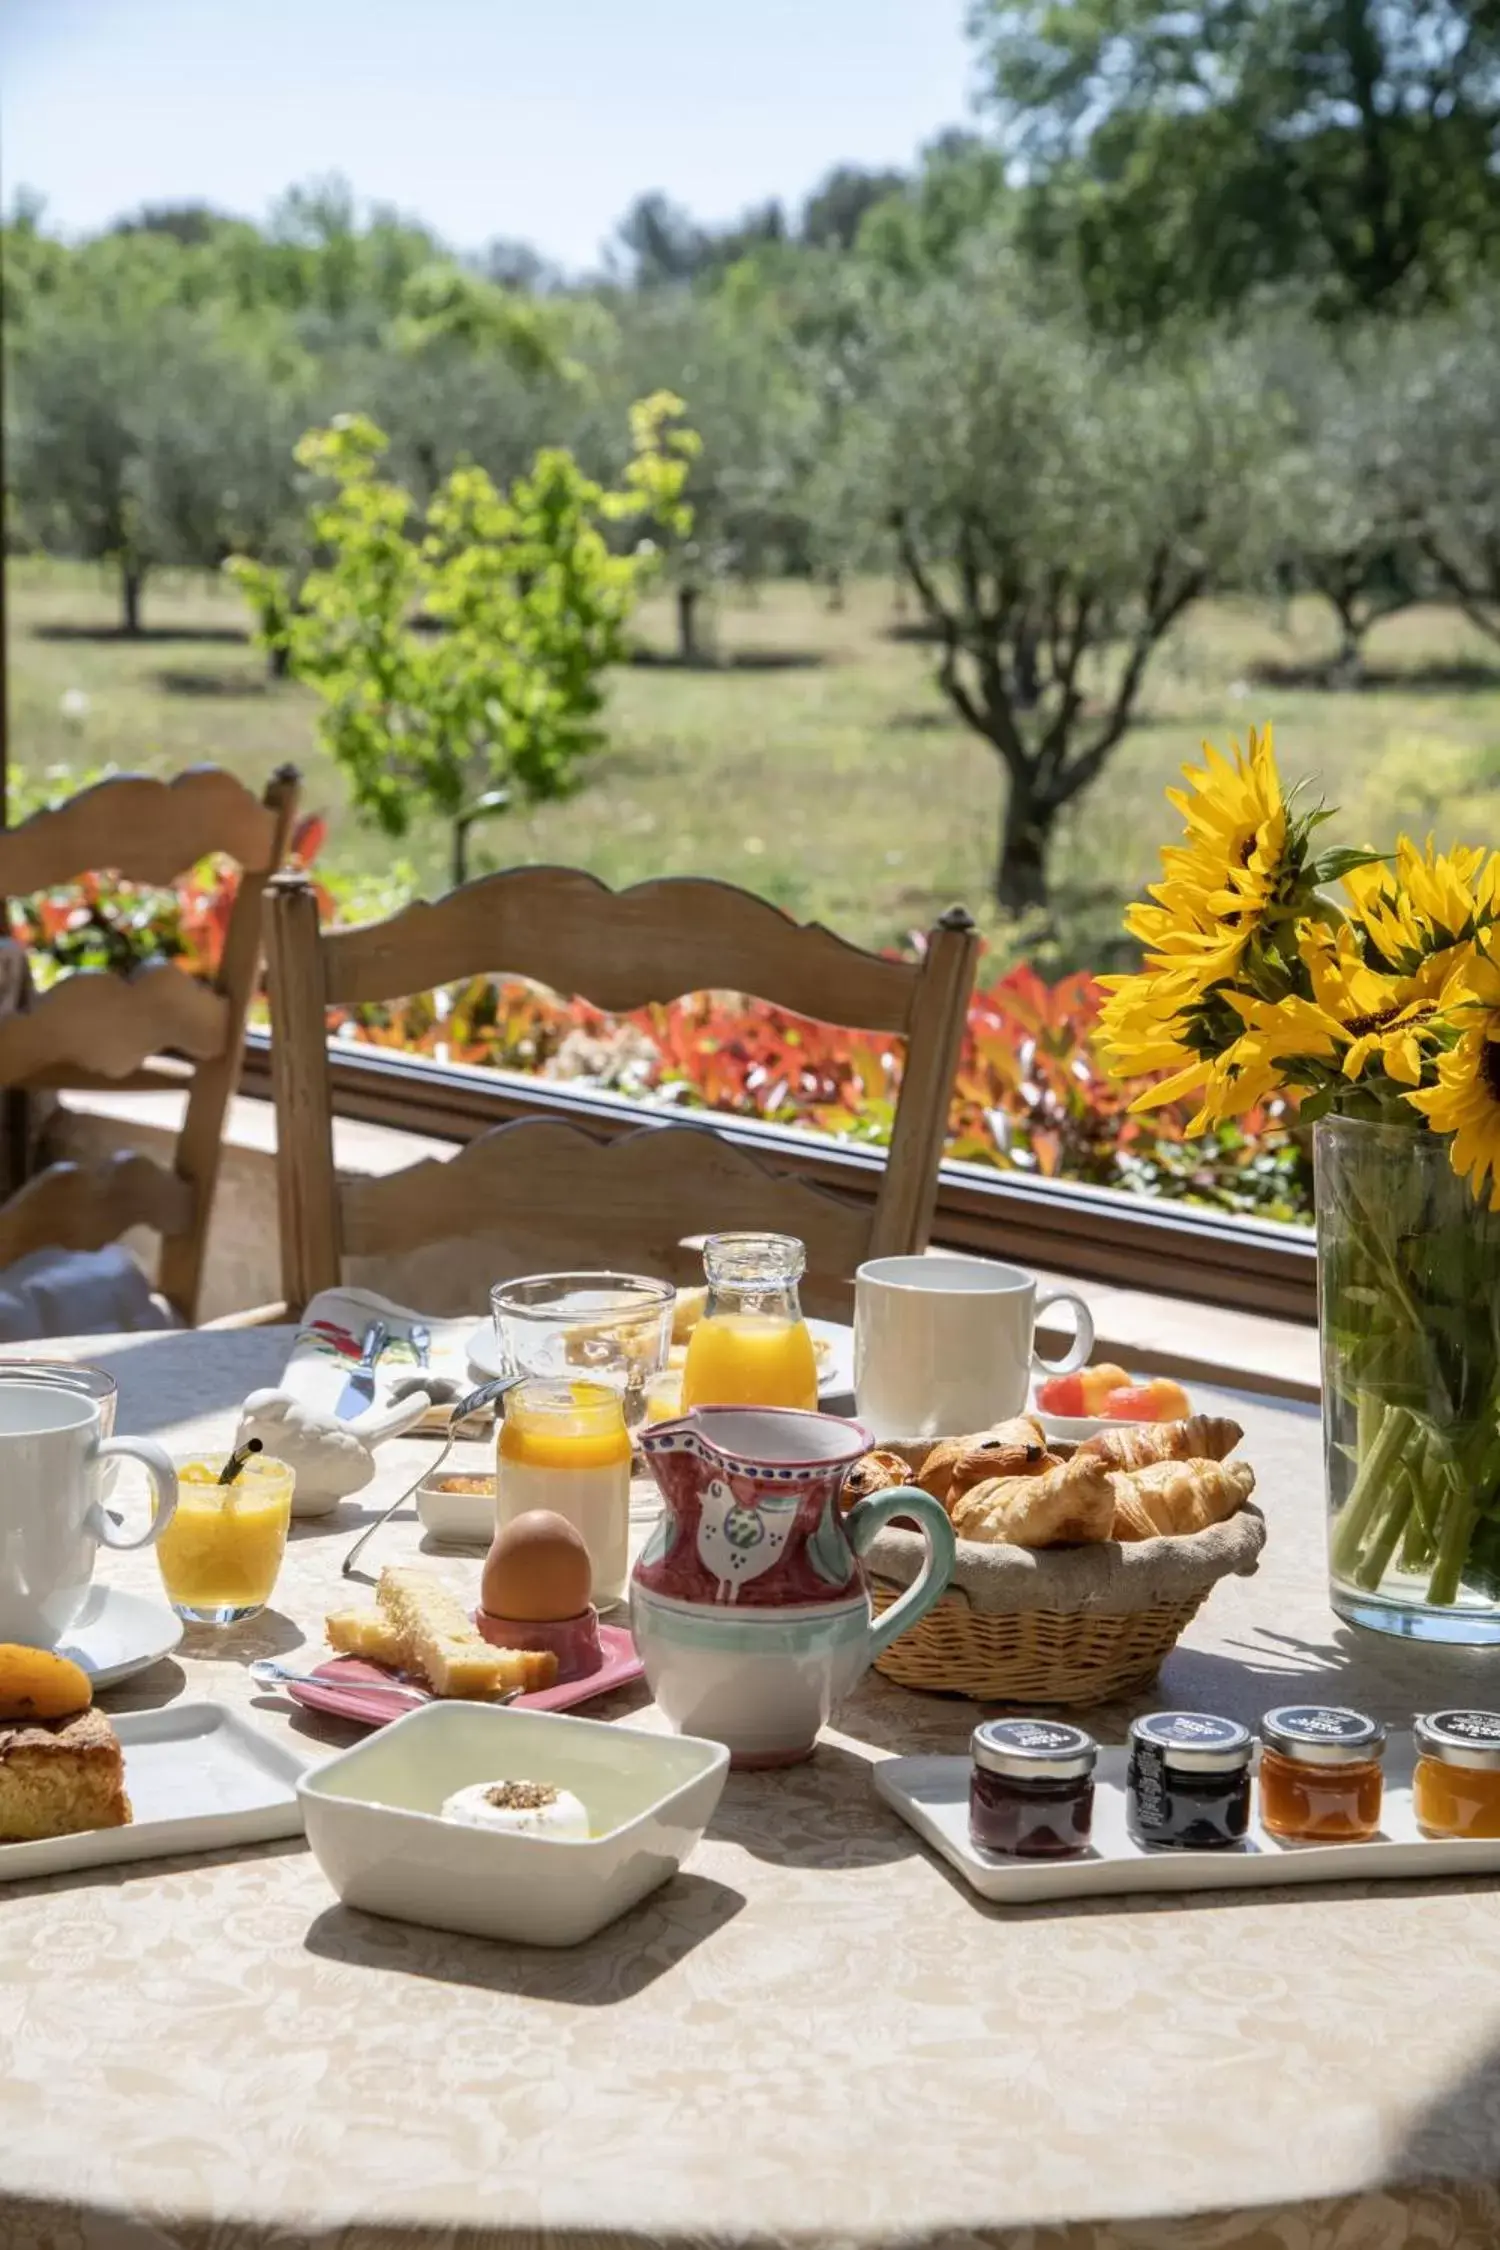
x,y
1031,1790
1188,1783
1455,1786
1321,1778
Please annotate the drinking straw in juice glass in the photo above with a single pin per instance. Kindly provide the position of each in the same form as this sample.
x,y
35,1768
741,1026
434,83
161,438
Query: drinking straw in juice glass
x,y
752,1348
221,1553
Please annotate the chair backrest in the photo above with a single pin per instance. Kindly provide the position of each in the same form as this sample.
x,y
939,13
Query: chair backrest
x,y
553,1194
156,1028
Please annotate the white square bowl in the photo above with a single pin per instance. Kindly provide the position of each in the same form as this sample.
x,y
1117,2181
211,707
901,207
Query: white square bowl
x,y
373,1822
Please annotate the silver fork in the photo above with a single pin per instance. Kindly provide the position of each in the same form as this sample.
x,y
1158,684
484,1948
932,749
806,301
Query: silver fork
x,y
473,1403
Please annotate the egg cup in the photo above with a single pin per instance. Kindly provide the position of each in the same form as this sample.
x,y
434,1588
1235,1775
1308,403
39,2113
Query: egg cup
x,y
574,1641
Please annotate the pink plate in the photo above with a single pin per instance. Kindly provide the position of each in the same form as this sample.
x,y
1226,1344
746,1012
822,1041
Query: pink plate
x,y
343,1685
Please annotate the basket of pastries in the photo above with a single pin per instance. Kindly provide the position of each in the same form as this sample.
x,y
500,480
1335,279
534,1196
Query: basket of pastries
x,y
1078,1566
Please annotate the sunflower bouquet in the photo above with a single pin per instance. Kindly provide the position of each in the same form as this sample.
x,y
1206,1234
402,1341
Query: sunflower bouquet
x,y
1366,988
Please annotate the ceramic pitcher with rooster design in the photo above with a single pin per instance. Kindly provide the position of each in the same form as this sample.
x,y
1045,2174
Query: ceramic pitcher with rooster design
x,y
749,1603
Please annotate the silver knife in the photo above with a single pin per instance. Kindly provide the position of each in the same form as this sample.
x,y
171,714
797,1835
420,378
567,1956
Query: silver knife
x,y
359,1391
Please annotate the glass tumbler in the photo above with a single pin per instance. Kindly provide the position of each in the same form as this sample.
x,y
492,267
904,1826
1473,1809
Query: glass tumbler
x,y
614,1329
220,1556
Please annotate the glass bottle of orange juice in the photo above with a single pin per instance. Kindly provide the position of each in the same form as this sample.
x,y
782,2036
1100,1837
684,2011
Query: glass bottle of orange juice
x,y
751,1348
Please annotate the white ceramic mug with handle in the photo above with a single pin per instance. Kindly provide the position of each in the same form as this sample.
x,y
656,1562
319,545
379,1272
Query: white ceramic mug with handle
x,y
945,1345
52,1518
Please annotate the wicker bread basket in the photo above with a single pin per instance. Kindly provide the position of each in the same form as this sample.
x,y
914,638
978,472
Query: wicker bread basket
x,y
1066,1625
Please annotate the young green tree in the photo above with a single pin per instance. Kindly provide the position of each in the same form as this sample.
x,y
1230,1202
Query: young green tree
x,y
459,651
1055,507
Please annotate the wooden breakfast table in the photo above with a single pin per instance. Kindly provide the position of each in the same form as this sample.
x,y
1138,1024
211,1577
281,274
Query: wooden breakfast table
x,y
815,2034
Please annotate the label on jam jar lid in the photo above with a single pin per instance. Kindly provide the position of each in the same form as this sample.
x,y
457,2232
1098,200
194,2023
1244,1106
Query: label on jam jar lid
x,y
1041,1748
1459,1738
1323,1734
1198,1741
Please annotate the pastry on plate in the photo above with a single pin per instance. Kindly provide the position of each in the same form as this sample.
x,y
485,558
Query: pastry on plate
x,y
59,1776
36,1684
421,1629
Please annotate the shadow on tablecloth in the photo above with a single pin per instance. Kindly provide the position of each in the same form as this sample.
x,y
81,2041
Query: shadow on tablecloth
x,y
622,1961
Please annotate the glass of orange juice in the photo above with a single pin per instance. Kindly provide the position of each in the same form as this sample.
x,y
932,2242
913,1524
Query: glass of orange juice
x,y
751,1348
221,1553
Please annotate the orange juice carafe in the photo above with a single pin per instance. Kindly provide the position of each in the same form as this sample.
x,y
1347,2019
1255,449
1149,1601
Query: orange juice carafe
x,y
751,1348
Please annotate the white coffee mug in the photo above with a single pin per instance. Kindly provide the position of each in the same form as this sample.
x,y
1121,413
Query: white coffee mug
x,y
52,1519
944,1345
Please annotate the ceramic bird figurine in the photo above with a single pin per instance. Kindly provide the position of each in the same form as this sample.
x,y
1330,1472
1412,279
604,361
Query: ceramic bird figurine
x,y
331,1458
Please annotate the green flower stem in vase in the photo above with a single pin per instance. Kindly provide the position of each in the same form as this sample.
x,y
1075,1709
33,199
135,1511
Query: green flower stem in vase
x,y
1409,1290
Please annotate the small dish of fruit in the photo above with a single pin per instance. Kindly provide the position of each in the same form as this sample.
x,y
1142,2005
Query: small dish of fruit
x,y
1082,1404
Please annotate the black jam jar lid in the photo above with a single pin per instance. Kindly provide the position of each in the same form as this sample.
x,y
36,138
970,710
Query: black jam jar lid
x,y
1033,1749
1459,1738
1194,1741
1322,1734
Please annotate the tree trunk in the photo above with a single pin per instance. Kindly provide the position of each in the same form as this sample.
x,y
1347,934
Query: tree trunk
x,y
132,578
687,624
1025,832
279,661
1028,670
1349,665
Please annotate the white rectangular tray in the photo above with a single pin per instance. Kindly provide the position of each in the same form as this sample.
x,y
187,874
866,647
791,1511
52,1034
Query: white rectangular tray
x,y
198,1776
932,1794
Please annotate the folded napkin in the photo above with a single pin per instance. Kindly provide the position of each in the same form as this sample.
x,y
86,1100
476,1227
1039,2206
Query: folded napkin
x,y
329,1342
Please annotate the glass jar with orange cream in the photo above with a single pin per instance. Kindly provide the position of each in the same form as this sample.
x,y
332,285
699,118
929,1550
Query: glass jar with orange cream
x,y
564,1446
1456,1784
1321,1776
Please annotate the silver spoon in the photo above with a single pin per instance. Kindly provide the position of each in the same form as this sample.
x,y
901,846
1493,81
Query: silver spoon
x,y
474,1402
267,1672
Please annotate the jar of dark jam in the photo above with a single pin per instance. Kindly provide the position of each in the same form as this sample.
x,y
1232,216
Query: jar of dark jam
x,y
1321,1779
1031,1790
1188,1783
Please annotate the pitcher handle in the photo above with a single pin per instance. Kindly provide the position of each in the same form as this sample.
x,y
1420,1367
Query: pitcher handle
x,y
866,1517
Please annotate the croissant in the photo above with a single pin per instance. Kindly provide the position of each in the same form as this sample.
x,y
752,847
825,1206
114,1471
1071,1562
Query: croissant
x,y
1134,1445
1072,1505
874,1472
1169,1497
1015,1448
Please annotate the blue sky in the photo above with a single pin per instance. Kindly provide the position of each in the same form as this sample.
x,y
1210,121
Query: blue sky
x,y
536,118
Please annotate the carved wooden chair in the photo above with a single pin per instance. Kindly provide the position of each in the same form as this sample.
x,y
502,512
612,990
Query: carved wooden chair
x,y
553,1194
156,1028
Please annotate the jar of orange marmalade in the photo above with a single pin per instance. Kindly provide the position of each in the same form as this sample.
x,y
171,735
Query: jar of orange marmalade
x,y
1321,1779
1456,1785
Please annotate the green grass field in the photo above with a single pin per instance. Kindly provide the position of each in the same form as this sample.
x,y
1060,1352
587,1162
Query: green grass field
x,y
817,763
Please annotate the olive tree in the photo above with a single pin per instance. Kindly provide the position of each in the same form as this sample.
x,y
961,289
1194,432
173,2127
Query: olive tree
x,y
1344,528
1444,381
1055,505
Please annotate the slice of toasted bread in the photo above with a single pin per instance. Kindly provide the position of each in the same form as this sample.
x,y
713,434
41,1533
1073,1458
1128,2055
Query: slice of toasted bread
x,y
439,1641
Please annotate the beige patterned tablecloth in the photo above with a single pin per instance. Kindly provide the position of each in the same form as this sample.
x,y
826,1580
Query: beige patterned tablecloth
x,y
815,2035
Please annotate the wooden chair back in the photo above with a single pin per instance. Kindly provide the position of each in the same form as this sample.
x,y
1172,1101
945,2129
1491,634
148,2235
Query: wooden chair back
x,y
156,1028
554,1194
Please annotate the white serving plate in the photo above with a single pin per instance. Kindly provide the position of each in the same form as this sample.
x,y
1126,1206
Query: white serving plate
x,y
835,1361
373,1820
199,1778
932,1794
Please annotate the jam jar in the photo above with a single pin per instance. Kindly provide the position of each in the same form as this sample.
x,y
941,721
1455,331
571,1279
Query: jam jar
x,y
1321,1779
1188,1784
1456,1785
1031,1789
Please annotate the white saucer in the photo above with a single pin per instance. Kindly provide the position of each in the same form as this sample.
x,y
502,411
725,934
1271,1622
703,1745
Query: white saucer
x,y
115,1635
835,1361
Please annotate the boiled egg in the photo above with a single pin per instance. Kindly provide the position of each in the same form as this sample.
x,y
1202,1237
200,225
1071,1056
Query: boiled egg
x,y
537,1571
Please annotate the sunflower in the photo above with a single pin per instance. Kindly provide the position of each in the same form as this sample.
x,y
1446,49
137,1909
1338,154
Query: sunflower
x,y
1427,903
1373,1015
1466,1099
1220,882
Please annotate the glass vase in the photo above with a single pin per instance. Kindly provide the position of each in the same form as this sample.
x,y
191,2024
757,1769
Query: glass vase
x,y
1409,1313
